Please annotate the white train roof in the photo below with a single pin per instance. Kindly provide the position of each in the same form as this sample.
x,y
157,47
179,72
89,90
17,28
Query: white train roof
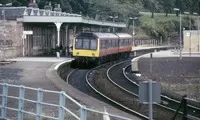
x,y
124,35
105,35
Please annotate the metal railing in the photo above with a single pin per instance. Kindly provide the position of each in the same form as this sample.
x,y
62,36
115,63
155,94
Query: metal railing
x,y
18,102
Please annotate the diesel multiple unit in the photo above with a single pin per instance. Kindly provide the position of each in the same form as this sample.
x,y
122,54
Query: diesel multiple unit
x,y
100,47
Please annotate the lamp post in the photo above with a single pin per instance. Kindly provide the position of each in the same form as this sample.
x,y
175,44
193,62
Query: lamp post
x,y
180,52
188,13
113,17
4,18
198,46
133,27
190,28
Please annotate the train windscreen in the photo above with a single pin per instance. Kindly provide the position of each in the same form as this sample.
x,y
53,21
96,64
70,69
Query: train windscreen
x,y
86,44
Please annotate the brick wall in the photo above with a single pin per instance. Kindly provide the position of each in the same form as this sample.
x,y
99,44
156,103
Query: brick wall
x,y
10,39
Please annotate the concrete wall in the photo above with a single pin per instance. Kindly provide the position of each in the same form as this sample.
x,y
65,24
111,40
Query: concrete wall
x,y
10,42
190,40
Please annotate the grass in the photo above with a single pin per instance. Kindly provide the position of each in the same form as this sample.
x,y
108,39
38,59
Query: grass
x,y
146,18
191,90
160,25
161,16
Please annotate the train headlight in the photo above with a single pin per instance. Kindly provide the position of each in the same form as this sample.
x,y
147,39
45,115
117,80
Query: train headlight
x,y
93,54
77,53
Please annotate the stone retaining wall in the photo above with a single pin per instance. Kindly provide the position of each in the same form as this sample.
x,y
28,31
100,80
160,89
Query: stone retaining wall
x,y
10,39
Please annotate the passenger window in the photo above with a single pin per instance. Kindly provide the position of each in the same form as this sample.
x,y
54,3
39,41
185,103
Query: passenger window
x,y
113,43
116,43
103,44
126,42
109,43
130,41
123,42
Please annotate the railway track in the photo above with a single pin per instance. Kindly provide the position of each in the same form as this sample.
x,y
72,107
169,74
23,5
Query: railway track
x,y
94,87
76,78
131,86
87,85
83,81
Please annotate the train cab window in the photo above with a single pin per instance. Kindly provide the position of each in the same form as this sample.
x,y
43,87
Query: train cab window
x,y
86,44
93,45
78,44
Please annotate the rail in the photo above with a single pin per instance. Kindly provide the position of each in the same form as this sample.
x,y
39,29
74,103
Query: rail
x,y
17,94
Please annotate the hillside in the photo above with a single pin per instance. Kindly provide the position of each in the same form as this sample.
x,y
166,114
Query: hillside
x,y
160,25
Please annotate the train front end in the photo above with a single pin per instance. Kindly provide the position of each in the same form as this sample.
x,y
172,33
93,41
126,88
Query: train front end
x,y
85,48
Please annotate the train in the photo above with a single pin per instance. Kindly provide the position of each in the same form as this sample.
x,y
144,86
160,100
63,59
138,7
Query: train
x,y
96,47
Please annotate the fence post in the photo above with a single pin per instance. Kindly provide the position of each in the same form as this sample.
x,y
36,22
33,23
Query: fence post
x,y
4,101
151,56
61,105
39,103
21,102
184,108
83,113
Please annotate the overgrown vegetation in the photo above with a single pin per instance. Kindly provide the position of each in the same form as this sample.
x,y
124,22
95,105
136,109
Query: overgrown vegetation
x,y
146,27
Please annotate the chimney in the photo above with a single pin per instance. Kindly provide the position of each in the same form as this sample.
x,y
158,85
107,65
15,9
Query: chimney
x,y
33,4
48,7
57,8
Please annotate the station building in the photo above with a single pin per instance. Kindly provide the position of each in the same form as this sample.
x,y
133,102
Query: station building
x,y
30,31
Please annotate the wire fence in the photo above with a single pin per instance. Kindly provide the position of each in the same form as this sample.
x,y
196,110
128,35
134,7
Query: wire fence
x,y
18,104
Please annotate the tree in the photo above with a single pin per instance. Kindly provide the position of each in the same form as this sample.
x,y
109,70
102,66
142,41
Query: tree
x,y
42,3
179,5
194,6
66,7
16,3
168,5
151,5
5,1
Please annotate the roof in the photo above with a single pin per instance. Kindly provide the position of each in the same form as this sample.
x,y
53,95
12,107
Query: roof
x,y
12,12
124,35
36,15
104,35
